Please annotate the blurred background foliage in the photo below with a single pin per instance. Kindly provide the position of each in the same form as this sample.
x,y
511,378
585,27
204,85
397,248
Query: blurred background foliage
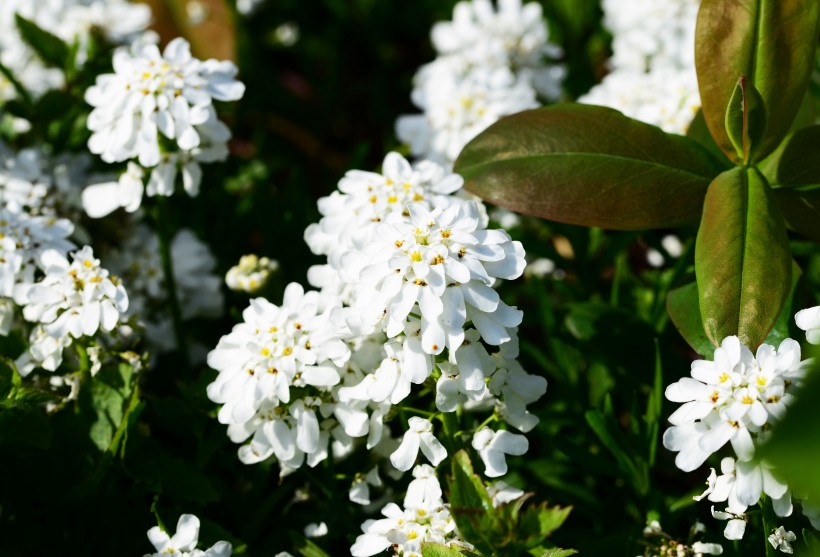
x,y
326,80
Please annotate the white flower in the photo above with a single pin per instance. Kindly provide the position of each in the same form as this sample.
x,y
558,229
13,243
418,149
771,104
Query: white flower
x,y
493,446
420,435
251,274
809,321
315,530
742,483
700,549
730,399
501,493
76,298
781,540
184,541
445,263
359,491
736,526
424,489
102,199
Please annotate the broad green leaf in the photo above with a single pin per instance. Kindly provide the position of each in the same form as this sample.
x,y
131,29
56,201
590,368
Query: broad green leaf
x,y
471,505
538,522
745,119
50,48
742,258
772,43
794,447
801,210
684,310
591,166
796,162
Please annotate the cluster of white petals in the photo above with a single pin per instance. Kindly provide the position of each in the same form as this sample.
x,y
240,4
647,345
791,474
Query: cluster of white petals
x,y
809,320
156,109
251,274
652,67
120,21
138,262
184,541
425,518
735,399
491,63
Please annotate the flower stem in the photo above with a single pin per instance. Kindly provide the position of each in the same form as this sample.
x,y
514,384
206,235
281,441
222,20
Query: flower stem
x,y
769,524
164,236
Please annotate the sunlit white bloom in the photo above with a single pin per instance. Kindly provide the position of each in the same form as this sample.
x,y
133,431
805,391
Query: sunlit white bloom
x,y
809,321
493,446
736,526
76,298
422,520
418,436
730,399
742,483
251,274
184,541
444,263
102,199
781,540
515,387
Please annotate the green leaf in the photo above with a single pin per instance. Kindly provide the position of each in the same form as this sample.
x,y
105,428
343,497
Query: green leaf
x,y
559,552
471,505
772,43
742,258
110,393
538,522
684,310
794,447
441,550
50,48
181,481
591,166
611,437
305,547
795,163
745,119
699,131
801,210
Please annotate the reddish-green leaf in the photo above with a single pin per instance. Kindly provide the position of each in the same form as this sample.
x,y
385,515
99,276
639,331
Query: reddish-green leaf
x,y
742,258
684,310
745,119
591,166
772,43
796,162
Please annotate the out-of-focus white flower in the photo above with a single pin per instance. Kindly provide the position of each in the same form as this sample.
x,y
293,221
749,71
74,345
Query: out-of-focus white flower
x,y
251,274
673,247
102,199
493,446
184,541
781,540
423,520
419,435
197,12
286,34
730,399
700,548
809,320
315,530
540,268
736,526
247,7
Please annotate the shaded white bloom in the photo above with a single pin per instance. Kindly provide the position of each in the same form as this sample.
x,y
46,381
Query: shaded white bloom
x,y
360,488
76,298
736,526
502,493
781,540
731,399
315,530
809,320
422,520
701,548
493,446
251,274
418,436
184,541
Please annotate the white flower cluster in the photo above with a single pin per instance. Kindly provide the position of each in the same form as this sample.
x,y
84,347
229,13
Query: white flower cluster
x,y
251,274
663,545
491,63
157,109
652,66
425,518
184,541
119,21
735,399
137,260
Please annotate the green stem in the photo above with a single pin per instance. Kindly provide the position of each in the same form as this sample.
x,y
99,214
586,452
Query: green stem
x,y
450,422
164,236
769,524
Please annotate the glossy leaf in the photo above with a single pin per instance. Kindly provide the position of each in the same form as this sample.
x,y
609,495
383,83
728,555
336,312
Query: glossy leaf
x,y
591,166
745,119
765,40
742,258
796,162
50,48
684,310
